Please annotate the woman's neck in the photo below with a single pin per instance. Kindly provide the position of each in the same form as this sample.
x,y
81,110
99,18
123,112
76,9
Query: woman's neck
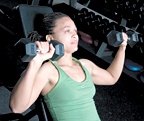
x,y
66,60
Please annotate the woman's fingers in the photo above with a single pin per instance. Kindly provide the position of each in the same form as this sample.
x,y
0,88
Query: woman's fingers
x,y
125,39
42,47
45,50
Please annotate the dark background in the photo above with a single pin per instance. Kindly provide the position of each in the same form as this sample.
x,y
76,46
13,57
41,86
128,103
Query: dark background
x,y
123,101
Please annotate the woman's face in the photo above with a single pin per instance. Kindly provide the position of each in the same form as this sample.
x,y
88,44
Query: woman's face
x,y
65,31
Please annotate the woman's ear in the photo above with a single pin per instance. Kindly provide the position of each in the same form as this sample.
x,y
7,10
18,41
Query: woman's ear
x,y
49,37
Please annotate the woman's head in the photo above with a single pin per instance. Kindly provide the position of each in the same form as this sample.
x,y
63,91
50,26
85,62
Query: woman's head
x,y
60,27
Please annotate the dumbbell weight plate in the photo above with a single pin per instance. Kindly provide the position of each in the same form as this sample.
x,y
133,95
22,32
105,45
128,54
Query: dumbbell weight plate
x,y
59,50
114,38
25,49
133,38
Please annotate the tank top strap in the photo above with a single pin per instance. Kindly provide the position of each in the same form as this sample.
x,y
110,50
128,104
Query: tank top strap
x,y
83,67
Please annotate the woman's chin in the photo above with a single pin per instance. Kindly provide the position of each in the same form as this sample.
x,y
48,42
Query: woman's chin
x,y
74,50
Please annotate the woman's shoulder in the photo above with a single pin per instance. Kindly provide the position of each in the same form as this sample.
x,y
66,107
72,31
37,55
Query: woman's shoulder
x,y
49,66
88,63
85,61
50,71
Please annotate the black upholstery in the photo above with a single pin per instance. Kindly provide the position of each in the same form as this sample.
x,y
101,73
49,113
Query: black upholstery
x,y
28,14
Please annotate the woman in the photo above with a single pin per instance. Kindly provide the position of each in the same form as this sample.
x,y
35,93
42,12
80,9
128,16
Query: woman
x,y
67,85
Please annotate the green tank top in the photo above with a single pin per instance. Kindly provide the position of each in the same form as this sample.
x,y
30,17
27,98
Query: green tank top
x,y
70,100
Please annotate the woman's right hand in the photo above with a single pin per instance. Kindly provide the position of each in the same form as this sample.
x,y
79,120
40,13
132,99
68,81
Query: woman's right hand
x,y
45,51
125,39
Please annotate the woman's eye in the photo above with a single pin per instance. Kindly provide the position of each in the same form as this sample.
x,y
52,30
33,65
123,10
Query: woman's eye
x,y
67,30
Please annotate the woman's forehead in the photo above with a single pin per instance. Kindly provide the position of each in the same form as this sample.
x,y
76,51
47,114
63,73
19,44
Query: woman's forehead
x,y
64,21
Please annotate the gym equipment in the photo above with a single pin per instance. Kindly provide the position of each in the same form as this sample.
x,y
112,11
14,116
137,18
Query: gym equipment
x,y
133,66
39,109
27,50
141,76
114,38
28,13
133,38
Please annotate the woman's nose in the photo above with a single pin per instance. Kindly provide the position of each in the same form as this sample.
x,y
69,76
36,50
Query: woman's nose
x,y
74,34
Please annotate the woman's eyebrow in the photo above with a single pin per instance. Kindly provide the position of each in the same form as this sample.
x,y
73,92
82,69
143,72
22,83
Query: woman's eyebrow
x,y
66,27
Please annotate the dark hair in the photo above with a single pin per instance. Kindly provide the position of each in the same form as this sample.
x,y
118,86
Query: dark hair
x,y
50,19
44,24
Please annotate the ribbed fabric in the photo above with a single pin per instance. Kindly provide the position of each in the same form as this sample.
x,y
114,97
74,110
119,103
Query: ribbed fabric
x,y
70,100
